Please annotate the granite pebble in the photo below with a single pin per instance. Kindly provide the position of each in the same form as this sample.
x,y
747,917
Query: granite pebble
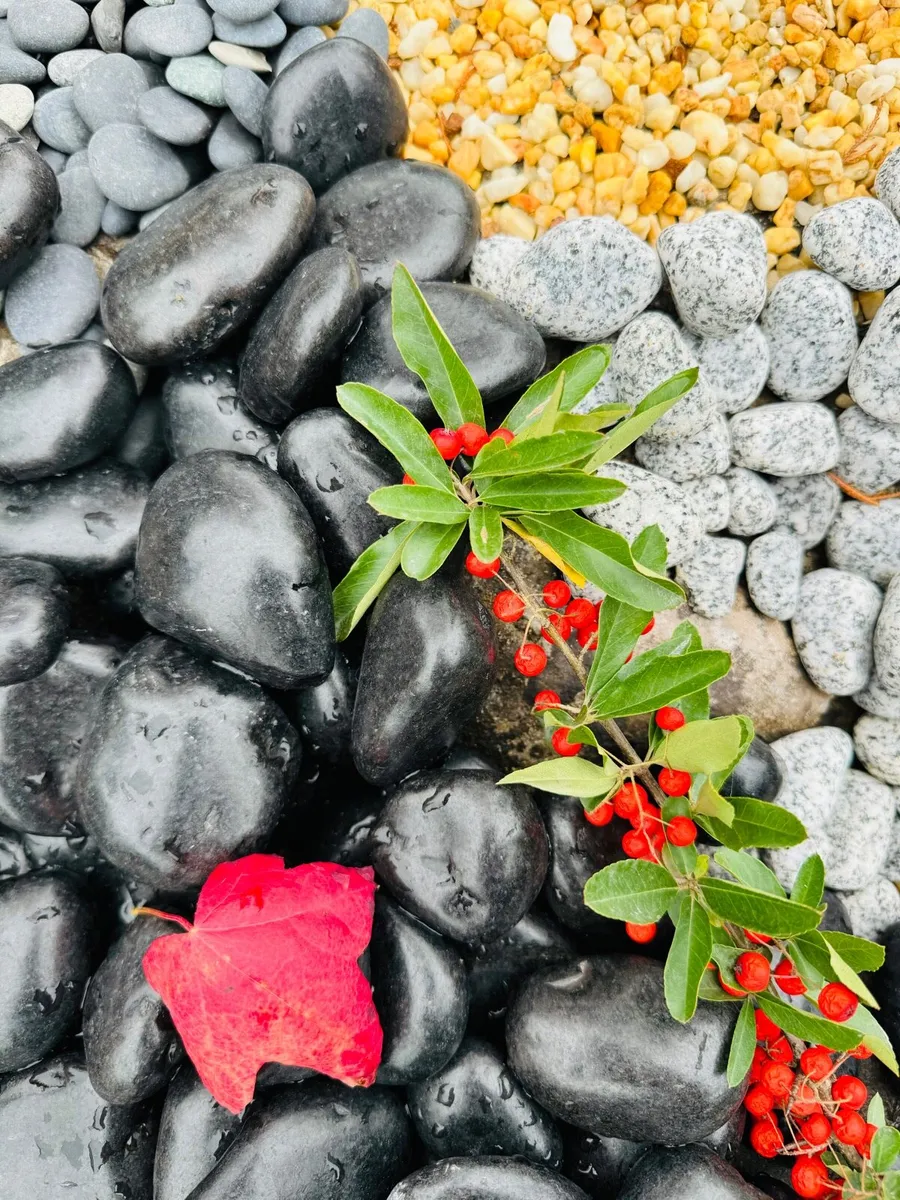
x,y
786,439
887,183
173,117
710,574
754,505
874,381
887,639
493,259
54,299
877,700
650,500
57,122
231,145
866,538
713,502
774,570
369,26
809,324
62,68
873,909
313,12
807,504
870,450
16,105
858,833
81,207
707,452
833,629
260,35
108,24
877,741
199,76
735,367
245,94
46,26
856,241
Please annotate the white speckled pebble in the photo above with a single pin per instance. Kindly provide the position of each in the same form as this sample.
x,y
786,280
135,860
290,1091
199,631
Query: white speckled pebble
x,y
753,503
873,909
877,700
710,575
492,261
833,629
887,183
735,367
887,639
713,502
785,439
717,271
858,833
705,453
874,381
774,571
856,241
807,504
866,538
891,868
650,500
877,742
809,324
870,450
16,105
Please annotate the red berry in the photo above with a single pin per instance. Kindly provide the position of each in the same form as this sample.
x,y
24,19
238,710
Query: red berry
x,y
787,979
674,783
508,606
547,699
778,1078
752,970
628,800
408,479
648,626
804,1102
760,1058
635,844
816,1129
837,1002
587,637
601,815
865,1146
765,1137
560,624
758,939
682,831
780,1051
561,744
815,1062
581,613
640,933
849,1091
557,594
726,987
766,1029
759,1101
849,1127
506,435
530,659
861,1052
472,437
809,1177
447,442
479,569
669,718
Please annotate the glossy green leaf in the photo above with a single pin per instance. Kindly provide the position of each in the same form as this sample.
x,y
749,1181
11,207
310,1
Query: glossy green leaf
x,y
874,1037
635,890
412,502
642,687
875,1114
485,533
582,371
567,777
706,803
857,952
650,409
704,746
757,823
368,575
885,1148
809,886
756,910
556,491
649,548
598,418
809,954
849,978
620,628
807,1026
743,1044
548,453
398,431
891,1185
428,549
687,959
749,870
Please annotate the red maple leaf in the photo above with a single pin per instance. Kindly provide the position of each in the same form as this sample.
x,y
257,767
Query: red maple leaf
x,y
269,972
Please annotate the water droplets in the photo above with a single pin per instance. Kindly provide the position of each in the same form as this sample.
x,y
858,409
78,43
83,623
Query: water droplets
x,y
446,1094
436,801
100,525
505,1085
336,1167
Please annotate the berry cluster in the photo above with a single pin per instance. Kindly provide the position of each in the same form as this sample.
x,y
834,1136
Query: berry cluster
x,y
468,440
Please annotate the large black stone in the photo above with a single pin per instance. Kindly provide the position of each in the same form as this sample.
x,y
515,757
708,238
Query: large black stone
x,y
427,666
594,1043
143,445
498,967
885,984
303,328
334,109
340,830
759,773
202,412
600,1164
489,1178
202,269
194,1133
688,1173
61,407
228,562
29,202
577,851
34,618
324,713
504,353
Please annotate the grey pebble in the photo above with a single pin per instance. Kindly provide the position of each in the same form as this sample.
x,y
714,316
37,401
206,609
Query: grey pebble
x,y
493,258
887,639
870,450
199,77
108,24
297,44
716,267
16,67
873,909
858,833
713,502
877,700
54,299
63,68
369,26
172,32
47,26
786,439
735,367
243,10
245,95
81,207
650,500
117,221
136,169
754,505
55,159
877,742
707,452
148,218
173,117
807,504
874,381
866,538
232,146
887,183
857,241
313,12
809,324
710,575
833,628
268,31
107,91
774,570
57,122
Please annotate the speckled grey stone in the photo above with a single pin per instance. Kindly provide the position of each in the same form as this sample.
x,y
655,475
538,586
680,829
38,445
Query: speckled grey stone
x,y
268,31
753,503
369,26
81,207
245,94
54,299
173,31
785,439
887,639
136,169
877,742
313,12
231,145
717,272
584,279
833,629
650,500
774,570
117,221
297,44
173,117
199,77
493,259
713,502
63,68
891,868
874,381
873,909
856,241
108,24
870,450
46,26
57,122
735,367
707,452
887,183
710,574
877,700
243,10
809,324
858,833
807,504
108,90
866,538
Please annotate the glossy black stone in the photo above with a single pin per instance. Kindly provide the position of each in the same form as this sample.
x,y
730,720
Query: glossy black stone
x,y
333,465
427,666
204,267
341,830
419,985
194,1133
228,562
490,1178
30,203
398,211
202,412
186,765
635,1073
324,713
499,966
42,725
317,1139
503,352
687,1173
61,407
143,445
130,1045
34,618
758,773
303,328
885,984
577,851
83,523
13,855
600,1164
333,110
61,1139
463,855
45,948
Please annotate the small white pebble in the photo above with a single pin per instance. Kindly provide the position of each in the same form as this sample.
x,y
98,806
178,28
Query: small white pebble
x,y
596,93
691,174
874,89
559,38
654,157
770,191
16,105
417,39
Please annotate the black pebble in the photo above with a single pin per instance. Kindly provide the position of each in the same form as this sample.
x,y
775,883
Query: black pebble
x,y
34,618
194,1133
202,412
489,1178
30,194
758,774
688,1173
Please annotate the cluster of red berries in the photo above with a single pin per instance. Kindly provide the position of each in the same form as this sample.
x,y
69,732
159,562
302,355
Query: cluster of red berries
x,y
468,439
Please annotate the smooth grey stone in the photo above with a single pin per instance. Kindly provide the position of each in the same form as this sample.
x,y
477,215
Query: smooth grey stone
x,y
858,832
774,570
199,77
16,67
864,538
108,23
367,26
117,221
63,68
81,207
173,117
809,324
877,700
194,1133
807,504
245,94
887,639
57,122
707,452
30,202
137,169
877,742
313,12
716,267
713,502
754,506
54,299
298,43
650,500
268,31
243,10
873,909
55,159
874,381
686,1173
710,575
870,450
487,1178
231,145
786,439
107,91
735,367
170,31
202,412
833,629
494,257
46,26
858,242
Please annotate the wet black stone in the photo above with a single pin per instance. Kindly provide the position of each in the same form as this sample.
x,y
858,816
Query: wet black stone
x,y
142,445
333,110
885,984
228,562
600,1164
130,1045
34,618
688,1173
42,725
577,851
489,1178
194,1133
340,831
13,855
497,968
302,329
476,1106
186,765
399,211
207,264
427,666
636,1074
758,773
45,948
202,412
419,986
324,713
30,203
462,854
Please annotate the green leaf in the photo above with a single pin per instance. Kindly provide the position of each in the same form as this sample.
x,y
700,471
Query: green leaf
x,y
412,502
641,687
757,823
567,777
850,979
598,418
650,409
556,491
687,959
885,1148
756,910
711,989
398,431
857,952
809,954
809,886
620,628
539,454
749,870
427,351
582,371
485,533
545,418
635,891
704,746
649,548
706,803
747,732
743,1044
807,1025
873,1037
891,1185
875,1112
365,579
428,549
